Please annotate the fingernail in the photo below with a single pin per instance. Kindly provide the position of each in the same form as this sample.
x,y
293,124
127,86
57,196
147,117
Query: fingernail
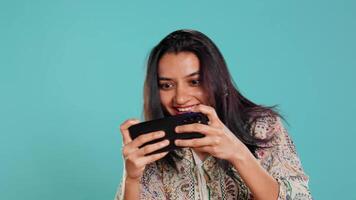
x,y
160,134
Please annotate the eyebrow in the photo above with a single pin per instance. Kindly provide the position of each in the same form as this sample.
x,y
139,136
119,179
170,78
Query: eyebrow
x,y
189,75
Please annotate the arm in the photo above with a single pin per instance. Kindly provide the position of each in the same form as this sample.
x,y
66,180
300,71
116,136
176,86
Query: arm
x,y
137,162
280,159
261,184
129,187
277,171
150,186
220,142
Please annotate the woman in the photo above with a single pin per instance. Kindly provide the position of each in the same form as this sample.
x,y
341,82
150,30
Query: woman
x,y
245,154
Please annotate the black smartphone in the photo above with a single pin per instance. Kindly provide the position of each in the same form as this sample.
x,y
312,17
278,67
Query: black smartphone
x,y
168,125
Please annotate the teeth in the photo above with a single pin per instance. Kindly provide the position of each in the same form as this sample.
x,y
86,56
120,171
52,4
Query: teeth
x,y
185,109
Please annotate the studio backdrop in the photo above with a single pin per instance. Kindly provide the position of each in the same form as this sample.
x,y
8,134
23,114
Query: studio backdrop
x,y
72,71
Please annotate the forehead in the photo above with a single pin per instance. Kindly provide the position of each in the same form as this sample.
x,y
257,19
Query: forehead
x,y
176,65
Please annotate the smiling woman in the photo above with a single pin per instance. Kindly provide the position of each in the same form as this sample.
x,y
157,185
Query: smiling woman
x,y
245,153
179,83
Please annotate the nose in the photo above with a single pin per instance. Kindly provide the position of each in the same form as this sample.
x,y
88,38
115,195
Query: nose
x,y
182,95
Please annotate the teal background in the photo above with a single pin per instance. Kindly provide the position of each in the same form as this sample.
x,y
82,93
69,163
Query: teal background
x,y
72,71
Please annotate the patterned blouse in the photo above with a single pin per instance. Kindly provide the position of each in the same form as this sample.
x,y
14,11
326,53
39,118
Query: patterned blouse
x,y
278,157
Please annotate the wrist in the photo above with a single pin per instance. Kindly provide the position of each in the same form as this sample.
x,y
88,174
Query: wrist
x,y
129,180
241,157
132,188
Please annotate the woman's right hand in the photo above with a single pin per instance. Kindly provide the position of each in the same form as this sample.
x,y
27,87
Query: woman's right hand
x,y
135,159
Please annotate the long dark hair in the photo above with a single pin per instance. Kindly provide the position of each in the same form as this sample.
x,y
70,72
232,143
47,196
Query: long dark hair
x,y
233,109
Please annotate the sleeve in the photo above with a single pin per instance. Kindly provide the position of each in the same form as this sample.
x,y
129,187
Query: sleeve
x,y
120,190
151,185
279,157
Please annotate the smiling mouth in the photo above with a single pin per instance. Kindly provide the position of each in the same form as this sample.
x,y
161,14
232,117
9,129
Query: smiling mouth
x,y
186,109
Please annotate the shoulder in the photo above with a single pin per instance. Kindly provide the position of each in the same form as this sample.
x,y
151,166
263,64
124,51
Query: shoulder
x,y
265,126
268,130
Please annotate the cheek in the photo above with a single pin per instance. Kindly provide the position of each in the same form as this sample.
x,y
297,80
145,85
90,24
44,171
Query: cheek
x,y
202,96
164,97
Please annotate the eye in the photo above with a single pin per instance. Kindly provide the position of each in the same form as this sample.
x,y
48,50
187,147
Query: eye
x,y
195,82
165,86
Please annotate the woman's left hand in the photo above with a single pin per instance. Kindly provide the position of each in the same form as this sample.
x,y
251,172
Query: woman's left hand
x,y
219,141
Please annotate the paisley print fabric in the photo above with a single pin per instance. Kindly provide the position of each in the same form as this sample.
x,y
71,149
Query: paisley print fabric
x,y
277,156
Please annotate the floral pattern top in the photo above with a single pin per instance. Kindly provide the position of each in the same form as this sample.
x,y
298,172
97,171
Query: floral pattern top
x,y
278,157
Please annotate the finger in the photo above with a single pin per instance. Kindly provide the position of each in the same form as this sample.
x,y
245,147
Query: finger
x,y
209,112
128,150
124,129
196,127
142,139
152,147
199,142
152,158
204,149
132,149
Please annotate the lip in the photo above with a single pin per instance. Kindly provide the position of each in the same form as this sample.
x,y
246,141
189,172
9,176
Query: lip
x,y
178,111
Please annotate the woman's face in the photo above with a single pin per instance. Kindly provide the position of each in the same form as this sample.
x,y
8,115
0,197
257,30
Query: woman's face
x,y
180,88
